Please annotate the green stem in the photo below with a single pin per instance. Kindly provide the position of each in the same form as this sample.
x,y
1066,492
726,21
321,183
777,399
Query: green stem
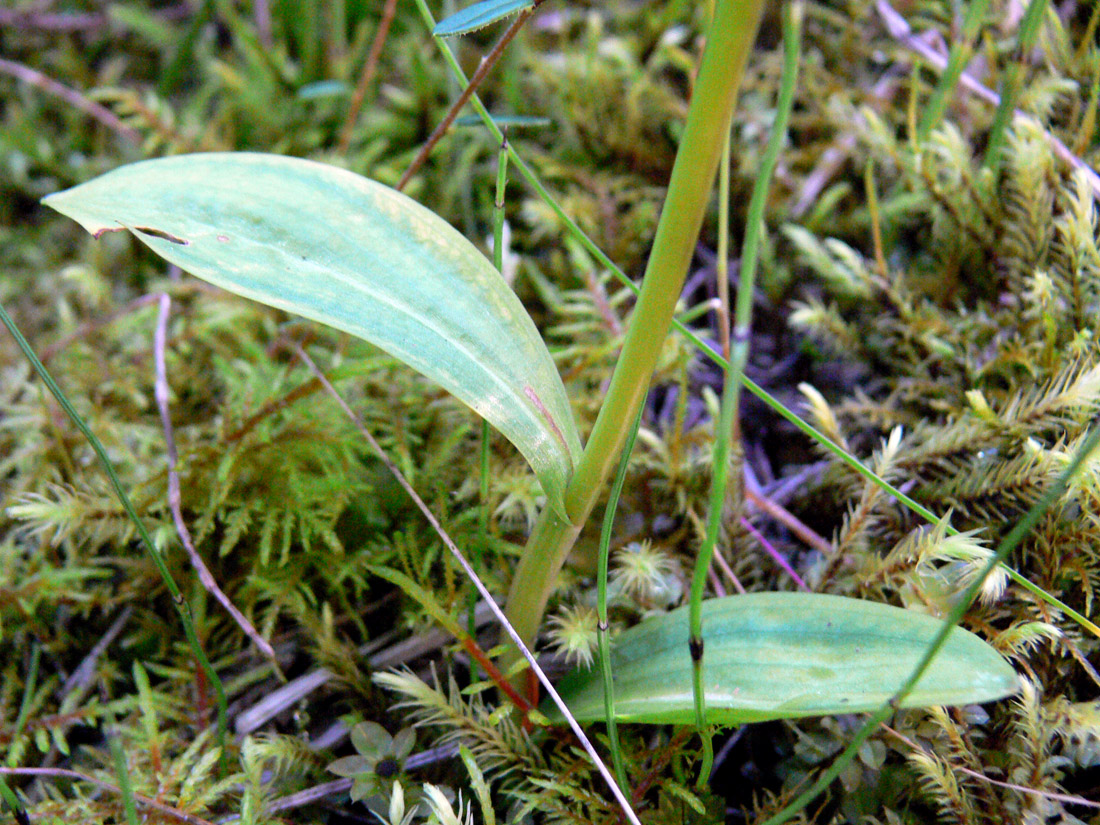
x,y
105,462
1010,82
957,57
537,574
15,807
603,632
498,263
739,352
729,42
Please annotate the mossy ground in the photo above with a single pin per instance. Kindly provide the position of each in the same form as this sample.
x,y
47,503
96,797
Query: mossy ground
x,y
913,284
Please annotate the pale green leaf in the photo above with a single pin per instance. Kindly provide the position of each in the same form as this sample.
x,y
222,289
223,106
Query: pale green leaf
x,y
786,655
351,253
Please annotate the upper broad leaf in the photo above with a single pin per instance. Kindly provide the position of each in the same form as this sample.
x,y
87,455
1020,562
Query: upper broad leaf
x,y
333,246
478,16
786,655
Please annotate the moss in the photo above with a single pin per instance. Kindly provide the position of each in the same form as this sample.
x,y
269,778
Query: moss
x,y
949,323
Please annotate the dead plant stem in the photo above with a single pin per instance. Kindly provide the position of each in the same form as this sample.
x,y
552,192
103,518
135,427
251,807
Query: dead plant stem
x,y
205,576
370,68
482,72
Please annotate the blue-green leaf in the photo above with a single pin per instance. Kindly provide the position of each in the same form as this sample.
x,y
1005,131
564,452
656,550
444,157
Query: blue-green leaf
x,y
507,121
351,253
478,16
786,655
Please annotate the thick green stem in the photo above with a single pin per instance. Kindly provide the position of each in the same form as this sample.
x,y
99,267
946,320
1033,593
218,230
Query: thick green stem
x,y
538,569
729,43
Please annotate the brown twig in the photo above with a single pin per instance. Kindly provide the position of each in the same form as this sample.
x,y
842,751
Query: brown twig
x,y
369,70
720,562
205,576
789,520
91,326
272,407
81,678
61,773
483,70
70,96
777,557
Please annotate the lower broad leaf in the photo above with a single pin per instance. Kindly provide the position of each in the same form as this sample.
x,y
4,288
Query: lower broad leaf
x,y
786,655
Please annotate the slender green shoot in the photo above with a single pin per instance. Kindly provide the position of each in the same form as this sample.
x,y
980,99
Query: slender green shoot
x,y
101,453
1007,545
602,629
957,58
482,523
122,773
721,274
1010,81
738,356
498,205
486,430
29,685
9,797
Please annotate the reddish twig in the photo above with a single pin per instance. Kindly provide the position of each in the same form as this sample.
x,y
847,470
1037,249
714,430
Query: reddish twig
x,y
720,561
205,576
81,678
261,14
52,21
88,327
483,70
369,70
70,96
775,554
792,523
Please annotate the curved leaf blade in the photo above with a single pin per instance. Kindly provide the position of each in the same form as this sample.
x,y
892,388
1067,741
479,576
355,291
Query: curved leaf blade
x,y
338,248
786,655
478,16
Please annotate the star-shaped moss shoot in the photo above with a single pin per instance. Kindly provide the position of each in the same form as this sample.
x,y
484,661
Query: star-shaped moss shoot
x,y
378,761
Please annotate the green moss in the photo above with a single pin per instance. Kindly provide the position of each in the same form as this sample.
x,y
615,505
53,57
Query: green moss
x,y
972,328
